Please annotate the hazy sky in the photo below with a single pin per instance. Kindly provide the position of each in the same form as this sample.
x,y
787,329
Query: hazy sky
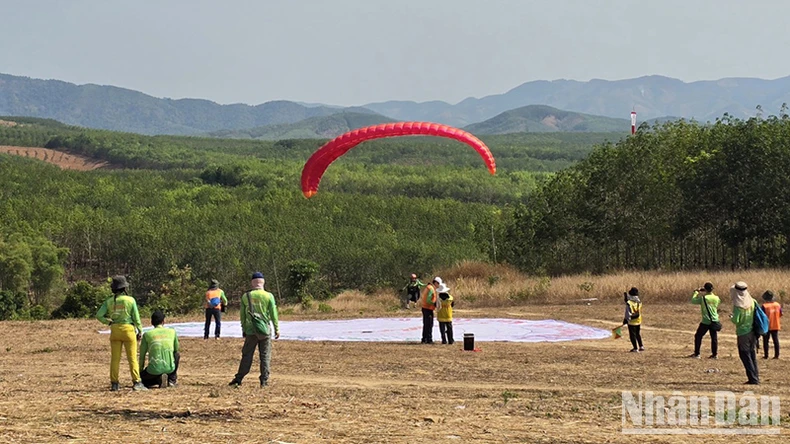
x,y
351,52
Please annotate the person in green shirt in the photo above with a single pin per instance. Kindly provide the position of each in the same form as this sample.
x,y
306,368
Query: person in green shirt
x,y
161,344
411,291
709,308
119,311
743,318
258,311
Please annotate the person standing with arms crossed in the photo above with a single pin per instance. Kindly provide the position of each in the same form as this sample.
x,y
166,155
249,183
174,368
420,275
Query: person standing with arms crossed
x,y
258,310
120,312
215,304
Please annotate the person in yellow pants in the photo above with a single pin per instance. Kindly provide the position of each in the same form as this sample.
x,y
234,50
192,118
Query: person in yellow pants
x,y
120,312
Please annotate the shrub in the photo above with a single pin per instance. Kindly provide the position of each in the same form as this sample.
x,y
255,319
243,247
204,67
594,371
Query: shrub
x,y
82,301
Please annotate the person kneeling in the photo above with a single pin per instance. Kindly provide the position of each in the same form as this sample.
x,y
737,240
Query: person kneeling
x,y
161,344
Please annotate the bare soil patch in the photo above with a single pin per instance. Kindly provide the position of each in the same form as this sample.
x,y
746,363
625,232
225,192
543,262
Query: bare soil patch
x,y
54,385
62,159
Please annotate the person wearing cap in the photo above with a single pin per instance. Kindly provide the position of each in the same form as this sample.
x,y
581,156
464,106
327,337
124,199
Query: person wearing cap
x,y
743,318
709,308
258,311
119,311
215,304
411,291
161,345
444,313
428,304
633,317
773,310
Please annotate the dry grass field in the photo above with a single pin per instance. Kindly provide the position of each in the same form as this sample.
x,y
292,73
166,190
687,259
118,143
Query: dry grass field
x,y
64,160
55,386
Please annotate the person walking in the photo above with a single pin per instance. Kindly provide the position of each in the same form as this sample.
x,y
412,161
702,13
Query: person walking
x,y
633,317
773,310
743,318
258,311
444,313
709,309
428,304
215,304
120,312
161,345
411,291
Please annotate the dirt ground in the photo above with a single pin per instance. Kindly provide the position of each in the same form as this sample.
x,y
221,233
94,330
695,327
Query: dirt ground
x,y
62,159
54,386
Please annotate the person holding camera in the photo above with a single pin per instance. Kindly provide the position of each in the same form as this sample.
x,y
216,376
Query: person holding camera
x,y
709,308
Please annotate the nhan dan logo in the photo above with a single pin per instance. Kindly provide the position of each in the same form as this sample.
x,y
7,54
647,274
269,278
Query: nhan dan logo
x,y
645,413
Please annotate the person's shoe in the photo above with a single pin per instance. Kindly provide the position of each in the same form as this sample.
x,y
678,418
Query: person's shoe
x,y
444,342
172,384
694,356
641,349
217,338
776,357
752,383
633,350
205,338
114,387
765,357
139,387
713,357
234,383
264,384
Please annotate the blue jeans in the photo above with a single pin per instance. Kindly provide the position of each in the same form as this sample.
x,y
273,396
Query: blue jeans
x,y
217,315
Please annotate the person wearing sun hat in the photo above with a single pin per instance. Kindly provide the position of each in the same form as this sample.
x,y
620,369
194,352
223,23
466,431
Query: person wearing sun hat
x,y
633,317
743,318
444,313
120,312
215,304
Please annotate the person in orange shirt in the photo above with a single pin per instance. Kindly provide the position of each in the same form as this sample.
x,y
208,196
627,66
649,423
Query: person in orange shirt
x,y
428,303
774,311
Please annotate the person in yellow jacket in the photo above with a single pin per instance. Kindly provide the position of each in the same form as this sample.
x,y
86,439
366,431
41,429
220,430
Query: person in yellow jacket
x,y
633,317
444,313
119,311
428,304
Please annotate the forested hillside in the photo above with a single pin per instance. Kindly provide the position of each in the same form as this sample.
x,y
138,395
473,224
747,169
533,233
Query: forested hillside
x,y
174,209
173,212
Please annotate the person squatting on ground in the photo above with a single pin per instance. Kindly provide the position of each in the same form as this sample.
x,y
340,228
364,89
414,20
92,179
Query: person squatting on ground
x,y
633,317
161,345
428,303
774,311
258,310
444,313
743,318
120,312
709,308
411,291
215,305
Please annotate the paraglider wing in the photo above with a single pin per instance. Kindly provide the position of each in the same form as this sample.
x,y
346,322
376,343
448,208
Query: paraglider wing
x,y
317,164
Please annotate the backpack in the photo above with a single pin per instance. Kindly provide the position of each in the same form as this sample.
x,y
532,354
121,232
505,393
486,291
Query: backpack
x,y
760,323
214,302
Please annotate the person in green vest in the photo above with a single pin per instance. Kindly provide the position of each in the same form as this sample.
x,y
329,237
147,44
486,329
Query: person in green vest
x,y
743,318
161,345
258,316
709,308
119,311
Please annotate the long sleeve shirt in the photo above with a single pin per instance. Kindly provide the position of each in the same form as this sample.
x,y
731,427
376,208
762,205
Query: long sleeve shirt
x,y
263,304
711,313
160,343
743,319
120,309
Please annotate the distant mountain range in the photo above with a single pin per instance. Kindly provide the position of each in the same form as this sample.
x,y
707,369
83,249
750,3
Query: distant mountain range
x,y
110,107
650,97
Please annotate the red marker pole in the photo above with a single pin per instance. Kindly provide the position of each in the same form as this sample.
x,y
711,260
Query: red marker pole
x,y
633,122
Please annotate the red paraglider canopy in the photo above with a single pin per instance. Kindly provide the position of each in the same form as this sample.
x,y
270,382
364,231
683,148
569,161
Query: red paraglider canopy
x,y
317,164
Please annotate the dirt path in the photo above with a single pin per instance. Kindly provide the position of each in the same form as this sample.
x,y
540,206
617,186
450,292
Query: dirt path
x,y
62,159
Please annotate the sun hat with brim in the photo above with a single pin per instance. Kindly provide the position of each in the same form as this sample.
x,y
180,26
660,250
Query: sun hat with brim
x,y
119,283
